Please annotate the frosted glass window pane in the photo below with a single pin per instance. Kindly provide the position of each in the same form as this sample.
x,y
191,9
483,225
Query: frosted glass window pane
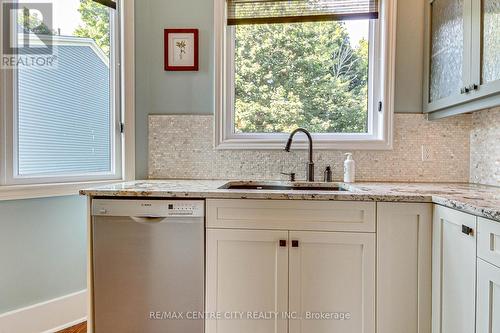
x,y
447,48
65,122
491,41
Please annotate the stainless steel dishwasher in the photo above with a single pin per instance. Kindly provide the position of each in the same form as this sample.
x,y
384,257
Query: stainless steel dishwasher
x,y
148,261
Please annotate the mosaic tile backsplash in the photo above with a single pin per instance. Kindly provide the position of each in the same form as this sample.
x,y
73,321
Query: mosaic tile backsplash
x,y
181,147
485,147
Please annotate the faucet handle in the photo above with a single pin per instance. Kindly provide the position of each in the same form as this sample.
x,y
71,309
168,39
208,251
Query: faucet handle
x,y
292,175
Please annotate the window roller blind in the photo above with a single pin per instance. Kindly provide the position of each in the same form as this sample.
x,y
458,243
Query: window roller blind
x,y
107,3
288,11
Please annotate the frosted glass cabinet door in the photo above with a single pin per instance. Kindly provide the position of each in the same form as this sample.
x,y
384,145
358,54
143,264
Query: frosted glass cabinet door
x,y
490,68
447,59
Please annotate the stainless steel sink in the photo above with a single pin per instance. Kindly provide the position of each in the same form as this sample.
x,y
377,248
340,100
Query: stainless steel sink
x,y
283,186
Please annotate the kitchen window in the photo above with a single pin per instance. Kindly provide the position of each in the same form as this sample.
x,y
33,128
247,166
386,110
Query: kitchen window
x,y
324,65
63,107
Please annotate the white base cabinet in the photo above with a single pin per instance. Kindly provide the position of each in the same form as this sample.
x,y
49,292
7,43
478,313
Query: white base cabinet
x,y
332,274
404,235
454,271
488,298
360,268
246,272
331,280
466,274
488,277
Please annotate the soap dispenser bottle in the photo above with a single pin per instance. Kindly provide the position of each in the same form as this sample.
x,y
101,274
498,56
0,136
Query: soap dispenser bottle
x,y
349,169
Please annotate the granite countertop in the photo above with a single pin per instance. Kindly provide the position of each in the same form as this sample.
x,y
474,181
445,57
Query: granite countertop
x,y
475,199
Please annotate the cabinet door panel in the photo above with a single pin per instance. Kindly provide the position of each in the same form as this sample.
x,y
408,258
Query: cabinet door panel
x,y
448,52
488,298
332,274
486,50
454,271
404,236
490,37
246,271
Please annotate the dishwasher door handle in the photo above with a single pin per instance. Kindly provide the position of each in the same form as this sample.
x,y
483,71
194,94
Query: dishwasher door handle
x,y
148,219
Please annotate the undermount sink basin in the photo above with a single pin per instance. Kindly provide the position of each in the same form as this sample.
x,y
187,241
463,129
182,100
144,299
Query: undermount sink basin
x,y
283,186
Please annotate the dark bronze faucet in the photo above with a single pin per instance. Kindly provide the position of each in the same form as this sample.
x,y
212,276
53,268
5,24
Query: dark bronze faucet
x,y
310,164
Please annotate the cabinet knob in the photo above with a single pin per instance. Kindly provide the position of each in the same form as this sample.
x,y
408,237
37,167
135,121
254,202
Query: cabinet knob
x,y
474,87
295,243
467,230
465,90
282,242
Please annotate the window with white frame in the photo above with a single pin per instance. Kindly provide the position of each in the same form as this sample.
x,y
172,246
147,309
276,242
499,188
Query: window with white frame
x,y
61,106
323,65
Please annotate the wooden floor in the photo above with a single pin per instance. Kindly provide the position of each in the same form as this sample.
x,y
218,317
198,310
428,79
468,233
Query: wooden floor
x,y
80,328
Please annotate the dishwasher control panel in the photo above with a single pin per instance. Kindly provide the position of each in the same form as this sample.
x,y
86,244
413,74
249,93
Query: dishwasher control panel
x,y
148,208
182,208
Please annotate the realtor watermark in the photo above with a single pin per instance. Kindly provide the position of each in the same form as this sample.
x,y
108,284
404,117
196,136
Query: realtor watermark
x,y
27,38
249,315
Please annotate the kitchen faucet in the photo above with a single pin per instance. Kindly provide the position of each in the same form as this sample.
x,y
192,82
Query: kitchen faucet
x,y
310,164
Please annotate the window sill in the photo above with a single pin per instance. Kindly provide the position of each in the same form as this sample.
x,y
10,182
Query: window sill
x,y
17,192
276,144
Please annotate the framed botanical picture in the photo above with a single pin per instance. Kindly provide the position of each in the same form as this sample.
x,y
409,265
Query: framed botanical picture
x,y
181,49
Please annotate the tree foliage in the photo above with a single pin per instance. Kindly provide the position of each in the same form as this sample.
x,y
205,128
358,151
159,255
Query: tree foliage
x,y
31,23
300,75
95,19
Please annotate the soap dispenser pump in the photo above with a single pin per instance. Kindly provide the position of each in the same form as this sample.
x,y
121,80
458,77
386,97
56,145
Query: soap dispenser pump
x,y
349,169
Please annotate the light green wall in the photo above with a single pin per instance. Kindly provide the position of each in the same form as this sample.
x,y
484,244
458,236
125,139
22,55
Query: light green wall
x,y
42,250
409,56
160,92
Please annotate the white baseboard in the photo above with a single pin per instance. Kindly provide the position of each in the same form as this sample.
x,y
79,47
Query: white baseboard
x,y
47,317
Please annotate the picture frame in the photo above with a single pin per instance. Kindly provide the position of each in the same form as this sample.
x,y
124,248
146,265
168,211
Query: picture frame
x,y
181,49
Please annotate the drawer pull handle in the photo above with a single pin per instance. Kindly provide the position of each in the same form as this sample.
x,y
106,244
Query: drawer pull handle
x,y
295,243
467,230
282,242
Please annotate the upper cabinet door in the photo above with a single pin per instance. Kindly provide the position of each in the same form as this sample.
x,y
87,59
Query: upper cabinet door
x,y
332,282
449,30
486,47
462,58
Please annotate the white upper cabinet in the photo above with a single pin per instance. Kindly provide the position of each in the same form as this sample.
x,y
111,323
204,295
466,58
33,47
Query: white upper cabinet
x,y
485,75
454,271
449,51
462,71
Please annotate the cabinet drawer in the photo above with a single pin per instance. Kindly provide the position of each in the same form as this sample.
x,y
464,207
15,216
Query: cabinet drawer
x,y
291,215
488,238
